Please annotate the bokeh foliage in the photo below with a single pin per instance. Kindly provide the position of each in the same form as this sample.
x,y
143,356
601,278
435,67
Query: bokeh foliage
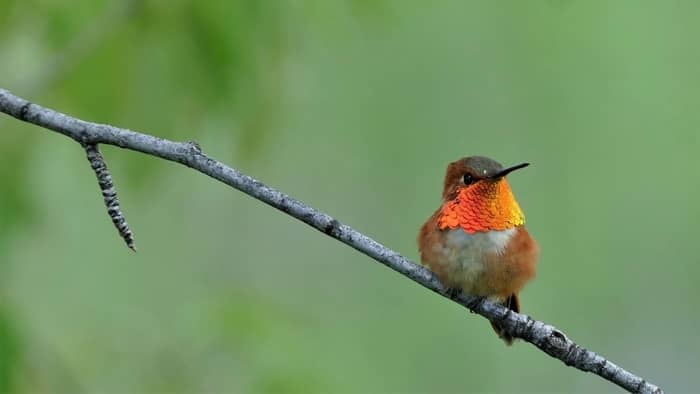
x,y
354,107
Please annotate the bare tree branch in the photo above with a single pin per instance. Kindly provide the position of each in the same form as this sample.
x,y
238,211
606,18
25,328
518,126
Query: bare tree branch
x,y
545,337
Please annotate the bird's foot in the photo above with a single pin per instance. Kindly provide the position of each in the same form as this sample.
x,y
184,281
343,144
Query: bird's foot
x,y
475,303
453,292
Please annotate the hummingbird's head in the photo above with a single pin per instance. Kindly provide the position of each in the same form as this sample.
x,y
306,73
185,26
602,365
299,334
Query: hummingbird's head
x,y
477,197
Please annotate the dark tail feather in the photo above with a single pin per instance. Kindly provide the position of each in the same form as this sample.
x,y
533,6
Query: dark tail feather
x,y
512,303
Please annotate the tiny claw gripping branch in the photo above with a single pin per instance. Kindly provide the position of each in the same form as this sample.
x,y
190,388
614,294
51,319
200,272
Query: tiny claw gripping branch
x,y
109,193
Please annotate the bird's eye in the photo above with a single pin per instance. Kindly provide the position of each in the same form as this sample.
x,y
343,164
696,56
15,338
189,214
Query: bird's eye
x,y
468,179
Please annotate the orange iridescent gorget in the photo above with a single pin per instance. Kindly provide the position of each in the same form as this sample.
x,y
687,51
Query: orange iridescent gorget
x,y
483,206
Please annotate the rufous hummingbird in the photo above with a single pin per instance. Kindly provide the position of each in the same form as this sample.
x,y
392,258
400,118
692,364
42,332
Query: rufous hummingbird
x,y
476,241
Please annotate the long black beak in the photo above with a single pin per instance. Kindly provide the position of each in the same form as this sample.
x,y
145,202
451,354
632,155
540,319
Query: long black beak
x,y
506,171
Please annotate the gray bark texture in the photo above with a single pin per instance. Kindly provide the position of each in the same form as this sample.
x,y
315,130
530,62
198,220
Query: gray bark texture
x,y
544,336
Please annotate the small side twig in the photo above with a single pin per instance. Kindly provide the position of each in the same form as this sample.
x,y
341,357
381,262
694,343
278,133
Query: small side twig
x,y
109,193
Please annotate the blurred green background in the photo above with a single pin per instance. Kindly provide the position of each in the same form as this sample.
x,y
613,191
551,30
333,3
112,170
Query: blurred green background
x,y
354,107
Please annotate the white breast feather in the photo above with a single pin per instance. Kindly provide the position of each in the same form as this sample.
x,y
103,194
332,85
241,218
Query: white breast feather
x,y
463,252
